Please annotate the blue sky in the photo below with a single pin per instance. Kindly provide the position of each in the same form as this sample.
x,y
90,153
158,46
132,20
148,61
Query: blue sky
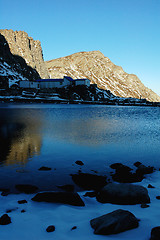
x,y
126,31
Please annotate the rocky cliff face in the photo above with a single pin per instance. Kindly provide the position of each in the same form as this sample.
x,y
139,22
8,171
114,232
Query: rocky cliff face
x,y
21,44
13,67
100,70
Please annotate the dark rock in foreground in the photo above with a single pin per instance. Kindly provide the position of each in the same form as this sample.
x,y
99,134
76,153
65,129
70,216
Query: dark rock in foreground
x,y
118,166
59,197
142,169
5,219
123,193
73,228
150,186
26,188
89,181
11,210
50,228
155,233
22,201
115,222
43,168
78,162
123,174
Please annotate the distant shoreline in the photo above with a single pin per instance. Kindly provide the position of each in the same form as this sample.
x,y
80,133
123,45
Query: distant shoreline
x,y
18,99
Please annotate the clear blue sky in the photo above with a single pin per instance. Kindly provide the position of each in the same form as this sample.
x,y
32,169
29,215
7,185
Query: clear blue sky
x,y
126,31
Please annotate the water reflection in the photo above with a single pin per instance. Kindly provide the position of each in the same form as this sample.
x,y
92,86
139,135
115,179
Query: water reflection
x,y
19,138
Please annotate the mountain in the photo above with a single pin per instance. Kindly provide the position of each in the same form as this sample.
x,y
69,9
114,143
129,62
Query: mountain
x,y
101,71
20,44
13,67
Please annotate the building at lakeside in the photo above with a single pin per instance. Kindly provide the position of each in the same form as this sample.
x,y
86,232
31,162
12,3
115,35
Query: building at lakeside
x,y
53,83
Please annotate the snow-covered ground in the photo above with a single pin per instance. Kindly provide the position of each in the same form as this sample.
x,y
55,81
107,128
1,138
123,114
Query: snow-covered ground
x,y
32,224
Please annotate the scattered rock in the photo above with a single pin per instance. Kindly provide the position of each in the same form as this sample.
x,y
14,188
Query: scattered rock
x,y
73,228
115,222
89,181
123,193
142,169
137,164
155,233
118,166
50,228
78,162
59,197
11,210
67,187
90,194
26,188
144,205
43,168
22,211
150,186
5,191
5,219
123,174
22,201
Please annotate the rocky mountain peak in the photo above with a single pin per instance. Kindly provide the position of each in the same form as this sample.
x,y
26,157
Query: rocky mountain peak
x,y
101,71
30,50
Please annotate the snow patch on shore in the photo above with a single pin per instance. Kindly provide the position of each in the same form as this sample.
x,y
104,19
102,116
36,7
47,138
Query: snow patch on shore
x,y
32,224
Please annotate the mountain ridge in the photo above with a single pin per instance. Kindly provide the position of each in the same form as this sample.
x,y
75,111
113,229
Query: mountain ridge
x,y
101,71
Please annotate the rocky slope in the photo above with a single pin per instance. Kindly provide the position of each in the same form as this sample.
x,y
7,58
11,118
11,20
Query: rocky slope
x,y
13,67
100,70
21,44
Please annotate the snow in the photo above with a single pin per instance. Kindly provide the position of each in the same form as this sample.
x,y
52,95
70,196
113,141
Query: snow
x,y
32,224
6,71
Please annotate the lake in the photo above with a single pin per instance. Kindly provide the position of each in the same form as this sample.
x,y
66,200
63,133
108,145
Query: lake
x,y
57,135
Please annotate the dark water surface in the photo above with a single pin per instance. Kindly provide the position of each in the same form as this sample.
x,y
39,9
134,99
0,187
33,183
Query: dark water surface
x,y
35,135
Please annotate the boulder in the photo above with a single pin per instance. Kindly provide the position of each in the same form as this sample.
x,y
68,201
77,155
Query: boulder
x,y
43,168
142,169
26,188
5,219
118,166
89,181
123,193
22,201
50,228
155,233
137,164
80,163
115,222
59,197
150,186
123,174
73,228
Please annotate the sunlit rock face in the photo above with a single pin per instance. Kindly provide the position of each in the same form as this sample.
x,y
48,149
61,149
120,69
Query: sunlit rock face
x,y
30,50
100,70
13,68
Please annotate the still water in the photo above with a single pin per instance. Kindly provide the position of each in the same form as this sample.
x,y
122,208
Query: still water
x,y
36,135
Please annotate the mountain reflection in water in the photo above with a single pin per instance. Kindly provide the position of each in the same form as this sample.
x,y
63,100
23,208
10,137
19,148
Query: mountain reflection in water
x,y
19,138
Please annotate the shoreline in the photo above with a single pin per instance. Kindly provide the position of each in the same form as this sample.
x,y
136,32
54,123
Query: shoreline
x,y
13,99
